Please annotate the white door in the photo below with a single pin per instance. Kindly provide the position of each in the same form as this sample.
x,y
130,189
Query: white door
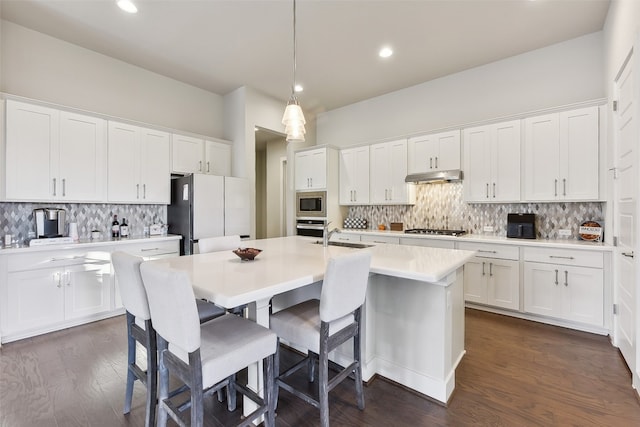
x,y
505,162
625,188
155,179
31,145
82,171
541,157
208,206
347,176
379,173
578,179
217,156
187,154
448,150
123,177
397,162
87,289
477,163
475,280
504,284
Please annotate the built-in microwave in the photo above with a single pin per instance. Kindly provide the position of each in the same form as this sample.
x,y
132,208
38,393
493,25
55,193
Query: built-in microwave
x,y
311,203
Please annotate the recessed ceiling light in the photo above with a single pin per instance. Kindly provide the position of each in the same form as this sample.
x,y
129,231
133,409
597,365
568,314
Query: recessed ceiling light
x,y
127,6
385,52
298,88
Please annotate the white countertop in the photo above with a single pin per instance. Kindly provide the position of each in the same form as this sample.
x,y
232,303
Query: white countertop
x,y
287,263
555,243
86,243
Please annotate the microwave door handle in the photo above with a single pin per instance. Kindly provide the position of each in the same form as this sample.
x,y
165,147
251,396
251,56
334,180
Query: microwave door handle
x,y
520,227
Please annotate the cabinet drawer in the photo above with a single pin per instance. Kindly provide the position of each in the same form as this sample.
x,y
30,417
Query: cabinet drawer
x,y
52,259
345,237
565,257
491,251
429,243
153,249
380,239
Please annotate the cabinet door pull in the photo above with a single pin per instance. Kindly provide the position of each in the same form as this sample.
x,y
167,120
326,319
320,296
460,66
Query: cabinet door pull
x,y
57,279
137,191
561,257
200,166
628,254
68,277
494,190
555,187
54,187
144,191
483,268
430,162
436,162
556,282
490,269
208,167
64,187
487,252
355,196
564,186
566,278
487,191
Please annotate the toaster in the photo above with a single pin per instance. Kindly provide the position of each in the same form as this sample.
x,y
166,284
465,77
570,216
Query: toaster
x,y
521,225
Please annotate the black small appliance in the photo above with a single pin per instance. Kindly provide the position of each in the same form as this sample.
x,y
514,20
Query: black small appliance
x,y
521,225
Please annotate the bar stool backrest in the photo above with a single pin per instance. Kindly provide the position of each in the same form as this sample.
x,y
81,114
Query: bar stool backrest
x,y
216,244
173,307
345,285
132,292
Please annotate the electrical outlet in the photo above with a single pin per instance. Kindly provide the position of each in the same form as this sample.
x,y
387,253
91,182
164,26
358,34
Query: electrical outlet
x,y
564,232
488,229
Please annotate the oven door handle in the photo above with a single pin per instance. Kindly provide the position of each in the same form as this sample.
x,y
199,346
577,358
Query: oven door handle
x,y
309,227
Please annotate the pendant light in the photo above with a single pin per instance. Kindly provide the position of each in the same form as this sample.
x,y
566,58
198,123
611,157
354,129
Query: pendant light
x,y
293,118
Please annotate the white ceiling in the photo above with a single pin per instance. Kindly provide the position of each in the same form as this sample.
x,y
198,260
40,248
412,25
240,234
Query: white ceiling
x,y
221,45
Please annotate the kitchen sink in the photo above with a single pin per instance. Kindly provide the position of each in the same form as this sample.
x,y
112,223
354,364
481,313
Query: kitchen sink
x,y
345,244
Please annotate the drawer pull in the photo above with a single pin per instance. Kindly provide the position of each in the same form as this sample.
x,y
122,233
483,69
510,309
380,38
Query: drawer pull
x,y
561,257
628,254
67,258
150,249
487,252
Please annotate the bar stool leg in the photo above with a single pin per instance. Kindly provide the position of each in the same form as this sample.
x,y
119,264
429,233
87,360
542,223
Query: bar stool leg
x,y
323,376
152,374
131,359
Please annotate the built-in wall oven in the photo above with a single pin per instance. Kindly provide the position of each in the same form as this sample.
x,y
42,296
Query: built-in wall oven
x,y
311,204
310,227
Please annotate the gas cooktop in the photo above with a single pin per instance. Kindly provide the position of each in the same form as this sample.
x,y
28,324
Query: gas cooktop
x,y
435,231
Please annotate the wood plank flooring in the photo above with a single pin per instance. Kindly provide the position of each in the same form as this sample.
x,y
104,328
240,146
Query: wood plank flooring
x,y
515,373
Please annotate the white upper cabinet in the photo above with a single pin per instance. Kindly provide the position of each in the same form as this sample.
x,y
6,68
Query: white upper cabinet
x,y
561,154
492,162
434,152
195,155
388,169
139,165
217,158
311,169
354,176
54,155
186,154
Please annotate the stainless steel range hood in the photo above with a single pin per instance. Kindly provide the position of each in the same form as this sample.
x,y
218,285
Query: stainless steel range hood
x,y
434,177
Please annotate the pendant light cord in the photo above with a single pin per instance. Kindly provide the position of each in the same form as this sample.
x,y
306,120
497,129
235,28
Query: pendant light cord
x,y
293,87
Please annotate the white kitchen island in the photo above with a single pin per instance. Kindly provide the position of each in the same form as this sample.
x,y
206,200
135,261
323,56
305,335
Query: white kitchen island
x,y
414,314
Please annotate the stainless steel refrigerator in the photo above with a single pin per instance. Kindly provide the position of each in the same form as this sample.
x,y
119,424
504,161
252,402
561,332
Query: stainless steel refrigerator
x,y
208,206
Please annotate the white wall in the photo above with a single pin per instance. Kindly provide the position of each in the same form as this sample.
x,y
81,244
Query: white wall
x,y
274,152
35,65
560,74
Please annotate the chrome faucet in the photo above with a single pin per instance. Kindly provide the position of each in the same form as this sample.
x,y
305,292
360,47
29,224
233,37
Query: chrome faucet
x,y
326,234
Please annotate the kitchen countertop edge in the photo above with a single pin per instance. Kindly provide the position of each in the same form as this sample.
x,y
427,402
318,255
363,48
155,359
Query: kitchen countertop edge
x,y
85,243
476,238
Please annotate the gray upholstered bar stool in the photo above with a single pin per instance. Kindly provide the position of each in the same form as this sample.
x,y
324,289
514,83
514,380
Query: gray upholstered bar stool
x,y
321,326
140,329
204,357
218,244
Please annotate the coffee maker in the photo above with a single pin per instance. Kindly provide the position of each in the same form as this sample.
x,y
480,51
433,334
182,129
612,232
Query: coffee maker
x,y
50,222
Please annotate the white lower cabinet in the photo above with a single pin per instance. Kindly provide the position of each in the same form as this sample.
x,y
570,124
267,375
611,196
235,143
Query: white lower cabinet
x,y
47,289
493,276
568,286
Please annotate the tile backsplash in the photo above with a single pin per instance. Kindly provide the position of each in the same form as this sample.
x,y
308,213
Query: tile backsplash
x,y
442,206
17,218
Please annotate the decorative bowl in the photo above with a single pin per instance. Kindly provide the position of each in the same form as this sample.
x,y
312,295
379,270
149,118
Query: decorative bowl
x,y
247,254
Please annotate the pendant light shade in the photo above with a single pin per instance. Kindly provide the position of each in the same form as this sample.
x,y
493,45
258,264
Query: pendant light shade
x,y
293,118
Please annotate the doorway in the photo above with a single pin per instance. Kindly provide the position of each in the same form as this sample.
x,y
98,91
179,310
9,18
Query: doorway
x,y
271,148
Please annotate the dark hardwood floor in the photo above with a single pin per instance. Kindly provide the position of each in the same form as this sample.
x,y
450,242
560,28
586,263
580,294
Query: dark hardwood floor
x,y
515,373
